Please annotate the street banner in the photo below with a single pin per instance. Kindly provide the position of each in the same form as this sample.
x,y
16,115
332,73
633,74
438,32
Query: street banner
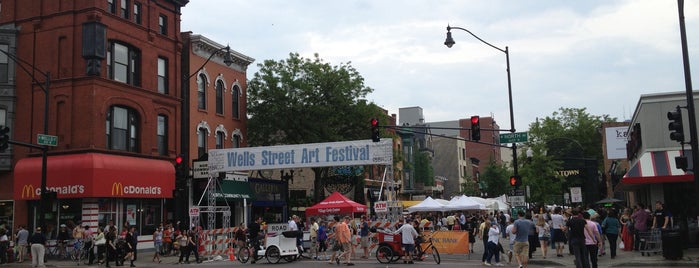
x,y
451,242
345,153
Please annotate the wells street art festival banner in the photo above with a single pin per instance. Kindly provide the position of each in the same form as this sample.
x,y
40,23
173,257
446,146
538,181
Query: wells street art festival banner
x,y
345,153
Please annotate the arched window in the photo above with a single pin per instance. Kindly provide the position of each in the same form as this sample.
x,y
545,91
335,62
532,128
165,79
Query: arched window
x,y
236,141
201,141
162,134
219,97
235,106
122,129
201,92
219,139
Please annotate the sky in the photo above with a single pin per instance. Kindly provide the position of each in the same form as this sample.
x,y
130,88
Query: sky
x,y
601,55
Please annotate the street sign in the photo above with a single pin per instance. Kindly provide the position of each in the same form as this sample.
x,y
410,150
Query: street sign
x,y
194,211
514,137
47,140
516,192
518,201
380,207
200,169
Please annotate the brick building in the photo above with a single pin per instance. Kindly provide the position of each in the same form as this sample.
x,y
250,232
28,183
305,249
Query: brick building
x,y
113,102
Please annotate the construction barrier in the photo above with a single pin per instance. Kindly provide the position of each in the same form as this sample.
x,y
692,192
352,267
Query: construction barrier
x,y
216,242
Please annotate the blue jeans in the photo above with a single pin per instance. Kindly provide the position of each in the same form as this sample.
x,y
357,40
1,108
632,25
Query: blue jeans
x,y
492,250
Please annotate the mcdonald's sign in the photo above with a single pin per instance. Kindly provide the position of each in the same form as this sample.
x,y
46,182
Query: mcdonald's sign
x,y
28,192
117,189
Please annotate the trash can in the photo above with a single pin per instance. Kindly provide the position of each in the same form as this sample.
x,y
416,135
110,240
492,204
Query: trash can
x,y
672,245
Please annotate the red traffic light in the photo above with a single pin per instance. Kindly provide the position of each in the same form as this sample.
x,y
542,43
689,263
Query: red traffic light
x,y
178,159
374,122
475,119
513,181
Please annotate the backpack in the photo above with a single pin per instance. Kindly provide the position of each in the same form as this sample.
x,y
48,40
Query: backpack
x,y
322,235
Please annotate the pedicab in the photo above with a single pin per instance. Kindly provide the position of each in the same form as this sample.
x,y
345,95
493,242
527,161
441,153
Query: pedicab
x,y
391,248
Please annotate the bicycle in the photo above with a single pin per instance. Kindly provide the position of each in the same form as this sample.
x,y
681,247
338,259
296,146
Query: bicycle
x,y
428,249
79,252
246,252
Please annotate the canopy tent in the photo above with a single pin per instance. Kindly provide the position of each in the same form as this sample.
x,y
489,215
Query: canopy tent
x,y
428,204
336,203
464,203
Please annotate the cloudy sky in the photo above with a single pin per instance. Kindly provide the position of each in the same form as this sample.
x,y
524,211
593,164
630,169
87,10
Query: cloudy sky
x,y
595,54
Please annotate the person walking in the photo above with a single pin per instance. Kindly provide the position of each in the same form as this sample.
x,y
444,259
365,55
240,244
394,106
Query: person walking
x,y
611,226
364,236
183,242
111,246
558,237
322,240
543,229
521,231
100,244
157,243
344,236
576,232
314,238
593,238
22,242
640,219
193,245
626,230
493,240
130,246
38,246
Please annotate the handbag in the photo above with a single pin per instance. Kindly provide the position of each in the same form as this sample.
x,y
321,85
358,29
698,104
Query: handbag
x,y
621,245
101,241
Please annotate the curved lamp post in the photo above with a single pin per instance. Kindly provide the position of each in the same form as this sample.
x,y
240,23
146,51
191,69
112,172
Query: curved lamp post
x,y
45,88
184,122
449,42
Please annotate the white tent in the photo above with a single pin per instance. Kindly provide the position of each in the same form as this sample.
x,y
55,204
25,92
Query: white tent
x,y
428,204
464,203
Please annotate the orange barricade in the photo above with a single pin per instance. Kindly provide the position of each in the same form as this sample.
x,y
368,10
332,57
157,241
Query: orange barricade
x,y
452,242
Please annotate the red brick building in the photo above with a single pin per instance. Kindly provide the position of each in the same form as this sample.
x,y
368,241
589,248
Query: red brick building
x,y
114,102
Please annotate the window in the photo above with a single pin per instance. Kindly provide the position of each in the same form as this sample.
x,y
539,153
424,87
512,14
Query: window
x,y
162,76
201,92
162,134
235,106
110,6
123,63
137,13
219,97
162,23
122,129
3,117
4,75
124,9
236,141
201,141
219,140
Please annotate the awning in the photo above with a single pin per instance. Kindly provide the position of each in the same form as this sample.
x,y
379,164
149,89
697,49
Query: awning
x,y
95,175
232,190
409,203
657,167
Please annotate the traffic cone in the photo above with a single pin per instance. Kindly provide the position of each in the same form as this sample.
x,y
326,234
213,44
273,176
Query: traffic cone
x,y
231,255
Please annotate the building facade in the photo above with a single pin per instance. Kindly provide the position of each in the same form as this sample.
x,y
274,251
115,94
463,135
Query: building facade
x,y
113,103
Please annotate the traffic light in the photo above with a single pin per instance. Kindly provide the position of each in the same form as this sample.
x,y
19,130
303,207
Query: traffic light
x,y
179,167
4,138
375,134
675,126
515,181
475,128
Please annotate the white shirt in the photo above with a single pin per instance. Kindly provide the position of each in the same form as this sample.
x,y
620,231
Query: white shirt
x,y
408,233
508,230
494,234
557,221
293,226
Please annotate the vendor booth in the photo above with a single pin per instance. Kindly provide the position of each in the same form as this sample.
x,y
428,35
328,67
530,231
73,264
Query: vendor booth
x,y
336,203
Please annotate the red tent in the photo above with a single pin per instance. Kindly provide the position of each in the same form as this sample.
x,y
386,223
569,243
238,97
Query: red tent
x,y
336,203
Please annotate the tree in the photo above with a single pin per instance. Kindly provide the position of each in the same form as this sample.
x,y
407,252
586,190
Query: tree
x,y
495,179
567,131
300,100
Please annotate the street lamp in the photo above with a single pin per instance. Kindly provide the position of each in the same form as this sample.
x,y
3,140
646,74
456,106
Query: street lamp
x,y
449,42
21,63
184,121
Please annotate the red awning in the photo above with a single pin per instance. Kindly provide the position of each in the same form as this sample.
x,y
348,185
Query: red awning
x,y
95,175
656,167
336,203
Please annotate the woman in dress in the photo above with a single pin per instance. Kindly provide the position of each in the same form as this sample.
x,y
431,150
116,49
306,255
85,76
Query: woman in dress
x,y
626,230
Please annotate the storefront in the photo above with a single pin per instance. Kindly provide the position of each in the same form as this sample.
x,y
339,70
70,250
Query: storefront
x,y
94,189
270,200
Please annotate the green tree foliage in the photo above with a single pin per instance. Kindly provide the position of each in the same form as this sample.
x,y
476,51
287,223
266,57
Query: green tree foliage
x,y
495,179
300,100
567,131
423,169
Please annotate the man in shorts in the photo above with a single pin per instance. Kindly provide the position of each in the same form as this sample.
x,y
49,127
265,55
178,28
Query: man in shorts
x,y
364,236
521,247
408,235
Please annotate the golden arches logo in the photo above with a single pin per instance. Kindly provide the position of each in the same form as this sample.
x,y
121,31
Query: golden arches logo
x,y
28,191
117,188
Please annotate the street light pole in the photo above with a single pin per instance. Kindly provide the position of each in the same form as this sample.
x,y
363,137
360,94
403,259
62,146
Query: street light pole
x,y
184,119
44,149
449,42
